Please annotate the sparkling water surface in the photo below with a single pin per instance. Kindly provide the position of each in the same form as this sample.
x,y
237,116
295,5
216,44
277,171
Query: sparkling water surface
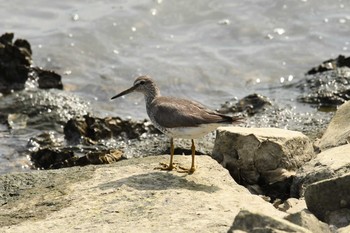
x,y
210,51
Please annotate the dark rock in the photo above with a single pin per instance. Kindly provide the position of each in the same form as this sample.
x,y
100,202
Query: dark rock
x,y
54,158
15,61
331,64
50,158
47,78
100,157
328,85
250,104
92,129
15,67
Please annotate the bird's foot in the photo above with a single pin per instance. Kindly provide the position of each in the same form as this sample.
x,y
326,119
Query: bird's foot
x,y
186,170
166,167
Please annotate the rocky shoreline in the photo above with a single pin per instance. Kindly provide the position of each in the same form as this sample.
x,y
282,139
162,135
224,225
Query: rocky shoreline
x,y
258,176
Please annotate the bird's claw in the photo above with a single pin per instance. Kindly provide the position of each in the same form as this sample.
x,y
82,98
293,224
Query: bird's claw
x,y
166,167
186,170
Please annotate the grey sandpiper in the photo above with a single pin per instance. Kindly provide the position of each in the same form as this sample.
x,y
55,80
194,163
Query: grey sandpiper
x,y
177,118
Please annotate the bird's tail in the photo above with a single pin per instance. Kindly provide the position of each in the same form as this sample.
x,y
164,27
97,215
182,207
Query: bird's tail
x,y
232,120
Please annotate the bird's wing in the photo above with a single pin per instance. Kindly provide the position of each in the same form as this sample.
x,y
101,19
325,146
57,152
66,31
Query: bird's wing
x,y
173,112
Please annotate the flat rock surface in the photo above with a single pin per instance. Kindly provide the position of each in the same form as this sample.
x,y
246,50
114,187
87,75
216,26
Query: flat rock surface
x,y
128,196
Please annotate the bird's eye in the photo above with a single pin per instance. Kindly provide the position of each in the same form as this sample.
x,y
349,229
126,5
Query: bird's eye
x,y
142,82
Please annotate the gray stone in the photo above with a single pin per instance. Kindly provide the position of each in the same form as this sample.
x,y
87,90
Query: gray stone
x,y
128,196
338,131
330,163
324,197
249,221
268,154
307,220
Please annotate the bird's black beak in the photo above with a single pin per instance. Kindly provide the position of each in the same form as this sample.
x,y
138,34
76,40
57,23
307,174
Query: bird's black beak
x,y
131,89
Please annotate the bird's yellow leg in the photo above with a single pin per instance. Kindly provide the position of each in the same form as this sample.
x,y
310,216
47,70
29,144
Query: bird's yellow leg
x,y
193,168
171,164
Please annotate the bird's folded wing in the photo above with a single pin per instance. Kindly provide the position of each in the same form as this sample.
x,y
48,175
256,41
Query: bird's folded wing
x,y
183,113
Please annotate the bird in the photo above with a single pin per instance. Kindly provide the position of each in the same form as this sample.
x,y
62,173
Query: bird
x,y
177,117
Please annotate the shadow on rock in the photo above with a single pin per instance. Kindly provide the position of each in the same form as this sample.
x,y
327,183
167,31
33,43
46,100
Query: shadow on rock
x,y
159,181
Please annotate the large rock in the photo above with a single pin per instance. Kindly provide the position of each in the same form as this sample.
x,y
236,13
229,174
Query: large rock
x,y
248,221
338,131
334,162
329,200
128,196
261,155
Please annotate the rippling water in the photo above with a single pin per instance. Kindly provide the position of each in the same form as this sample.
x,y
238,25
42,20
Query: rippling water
x,y
210,51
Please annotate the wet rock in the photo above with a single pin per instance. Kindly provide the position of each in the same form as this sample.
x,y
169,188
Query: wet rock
x,y
47,78
54,158
338,131
44,140
331,163
46,109
326,197
327,86
16,70
307,220
17,121
268,157
117,196
331,64
50,158
100,157
91,129
247,221
15,60
250,104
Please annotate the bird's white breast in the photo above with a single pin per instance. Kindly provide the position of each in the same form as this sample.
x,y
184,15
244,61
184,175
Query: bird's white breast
x,y
190,132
